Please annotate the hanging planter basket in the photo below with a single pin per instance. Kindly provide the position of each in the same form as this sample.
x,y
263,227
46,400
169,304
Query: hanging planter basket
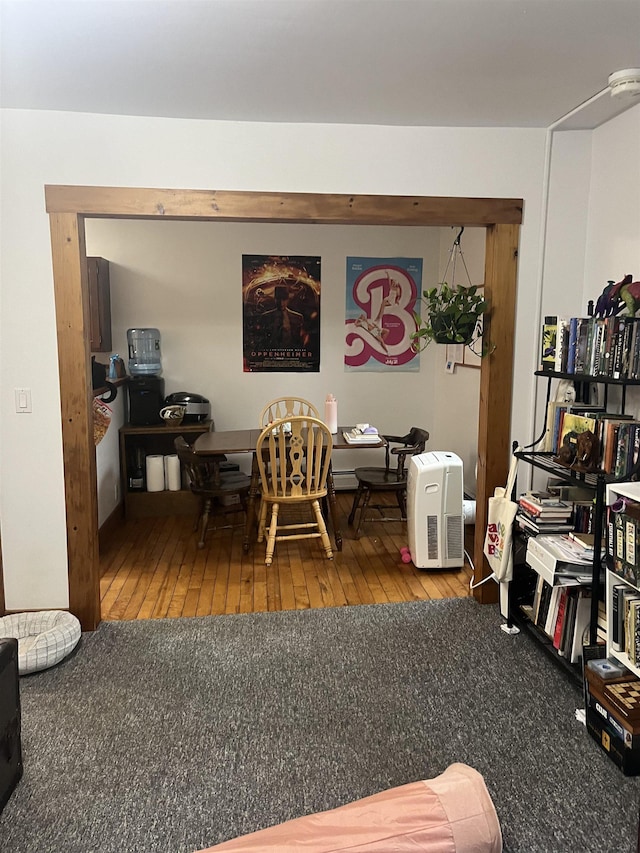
x,y
452,313
451,318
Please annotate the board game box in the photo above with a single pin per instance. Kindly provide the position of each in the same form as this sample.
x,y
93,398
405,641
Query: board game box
x,y
616,737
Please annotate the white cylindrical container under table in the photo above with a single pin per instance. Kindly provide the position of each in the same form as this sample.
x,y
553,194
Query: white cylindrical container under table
x,y
155,473
172,479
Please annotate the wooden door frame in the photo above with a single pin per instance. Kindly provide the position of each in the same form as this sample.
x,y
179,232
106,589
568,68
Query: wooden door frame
x,y
69,206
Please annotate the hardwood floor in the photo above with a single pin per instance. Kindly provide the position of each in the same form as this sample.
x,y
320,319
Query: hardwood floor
x,y
152,568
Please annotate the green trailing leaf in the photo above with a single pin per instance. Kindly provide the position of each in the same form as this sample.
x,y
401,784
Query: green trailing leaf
x,y
451,316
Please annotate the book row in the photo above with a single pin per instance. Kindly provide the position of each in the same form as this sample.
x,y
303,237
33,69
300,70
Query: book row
x,y
625,621
623,536
592,346
563,613
617,435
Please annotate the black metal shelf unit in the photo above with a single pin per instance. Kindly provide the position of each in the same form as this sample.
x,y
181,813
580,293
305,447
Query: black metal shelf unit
x,y
586,377
591,479
595,480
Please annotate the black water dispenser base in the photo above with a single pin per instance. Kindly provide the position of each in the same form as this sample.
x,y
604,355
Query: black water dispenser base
x,y
146,398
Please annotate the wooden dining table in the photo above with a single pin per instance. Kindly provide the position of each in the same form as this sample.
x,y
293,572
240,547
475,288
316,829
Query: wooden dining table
x,y
219,444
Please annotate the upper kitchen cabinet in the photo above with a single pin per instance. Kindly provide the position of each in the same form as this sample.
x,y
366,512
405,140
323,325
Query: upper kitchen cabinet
x,y
99,305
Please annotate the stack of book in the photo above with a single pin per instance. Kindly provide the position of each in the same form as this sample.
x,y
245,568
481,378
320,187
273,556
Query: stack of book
x,y
541,512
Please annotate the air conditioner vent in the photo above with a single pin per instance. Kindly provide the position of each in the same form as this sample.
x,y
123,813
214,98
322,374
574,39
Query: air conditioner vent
x,y
432,537
454,537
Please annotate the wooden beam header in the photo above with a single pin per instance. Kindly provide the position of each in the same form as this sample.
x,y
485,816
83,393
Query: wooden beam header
x,y
318,208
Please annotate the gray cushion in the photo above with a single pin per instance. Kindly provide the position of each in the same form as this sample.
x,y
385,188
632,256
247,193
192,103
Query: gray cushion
x,y
44,637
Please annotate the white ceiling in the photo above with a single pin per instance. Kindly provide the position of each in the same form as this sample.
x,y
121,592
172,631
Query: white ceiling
x,y
503,63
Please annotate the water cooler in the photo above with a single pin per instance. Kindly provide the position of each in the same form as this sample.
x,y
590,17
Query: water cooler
x,y
146,386
145,358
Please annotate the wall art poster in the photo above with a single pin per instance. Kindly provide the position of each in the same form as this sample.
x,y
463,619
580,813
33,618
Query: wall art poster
x,y
382,294
281,314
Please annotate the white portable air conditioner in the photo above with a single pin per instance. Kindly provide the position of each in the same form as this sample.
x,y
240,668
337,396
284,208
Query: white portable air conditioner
x,y
435,512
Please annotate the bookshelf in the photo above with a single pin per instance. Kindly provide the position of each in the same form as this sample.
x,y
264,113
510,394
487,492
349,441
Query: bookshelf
x,y
597,482
520,591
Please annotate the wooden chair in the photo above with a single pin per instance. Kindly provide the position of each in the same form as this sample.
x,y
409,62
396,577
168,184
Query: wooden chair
x,y
286,408
387,479
210,484
293,471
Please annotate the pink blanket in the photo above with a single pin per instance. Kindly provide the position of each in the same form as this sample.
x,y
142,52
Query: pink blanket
x,y
452,813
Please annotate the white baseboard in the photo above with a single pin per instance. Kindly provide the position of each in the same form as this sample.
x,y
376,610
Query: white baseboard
x,y
344,481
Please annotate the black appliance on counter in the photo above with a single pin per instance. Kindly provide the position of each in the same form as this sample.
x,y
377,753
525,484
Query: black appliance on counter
x,y
198,407
146,398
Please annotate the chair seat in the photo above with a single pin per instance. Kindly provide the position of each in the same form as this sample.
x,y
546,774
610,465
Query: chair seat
x,y
380,478
229,484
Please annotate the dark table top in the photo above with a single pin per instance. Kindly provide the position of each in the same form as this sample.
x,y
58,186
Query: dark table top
x,y
245,440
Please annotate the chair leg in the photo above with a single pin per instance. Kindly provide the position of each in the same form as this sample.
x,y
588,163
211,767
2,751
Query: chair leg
x,y
273,529
206,511
196,520
262,521
401,495
245,505
322,527
363,509
354,505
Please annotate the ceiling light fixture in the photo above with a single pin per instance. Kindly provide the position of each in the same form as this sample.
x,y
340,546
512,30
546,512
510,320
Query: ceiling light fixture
x,y
625,83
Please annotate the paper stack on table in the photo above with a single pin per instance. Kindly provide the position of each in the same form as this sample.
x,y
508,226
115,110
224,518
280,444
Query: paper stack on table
x,y
362,434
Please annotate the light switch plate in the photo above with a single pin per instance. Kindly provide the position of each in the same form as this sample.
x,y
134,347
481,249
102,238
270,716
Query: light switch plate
x,y
23,400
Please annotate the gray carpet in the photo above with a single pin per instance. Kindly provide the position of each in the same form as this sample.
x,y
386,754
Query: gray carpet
x,y
172,735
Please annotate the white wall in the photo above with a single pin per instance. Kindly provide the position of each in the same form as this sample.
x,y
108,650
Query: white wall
x,y
613,229
41,148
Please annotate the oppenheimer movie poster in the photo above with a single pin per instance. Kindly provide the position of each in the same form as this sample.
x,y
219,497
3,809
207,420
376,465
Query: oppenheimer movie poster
x,y
281,314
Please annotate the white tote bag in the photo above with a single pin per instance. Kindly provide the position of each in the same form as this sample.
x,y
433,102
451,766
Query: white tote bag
x,y
498,545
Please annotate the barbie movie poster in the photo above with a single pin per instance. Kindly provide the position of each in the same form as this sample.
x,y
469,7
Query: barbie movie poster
x,y
281,314
382,294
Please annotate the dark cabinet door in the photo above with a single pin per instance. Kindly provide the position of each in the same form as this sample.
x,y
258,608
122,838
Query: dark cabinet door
x,y
99,305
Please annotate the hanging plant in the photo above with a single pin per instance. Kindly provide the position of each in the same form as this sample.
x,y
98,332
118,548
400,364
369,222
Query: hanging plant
x,y
451,314
451,317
